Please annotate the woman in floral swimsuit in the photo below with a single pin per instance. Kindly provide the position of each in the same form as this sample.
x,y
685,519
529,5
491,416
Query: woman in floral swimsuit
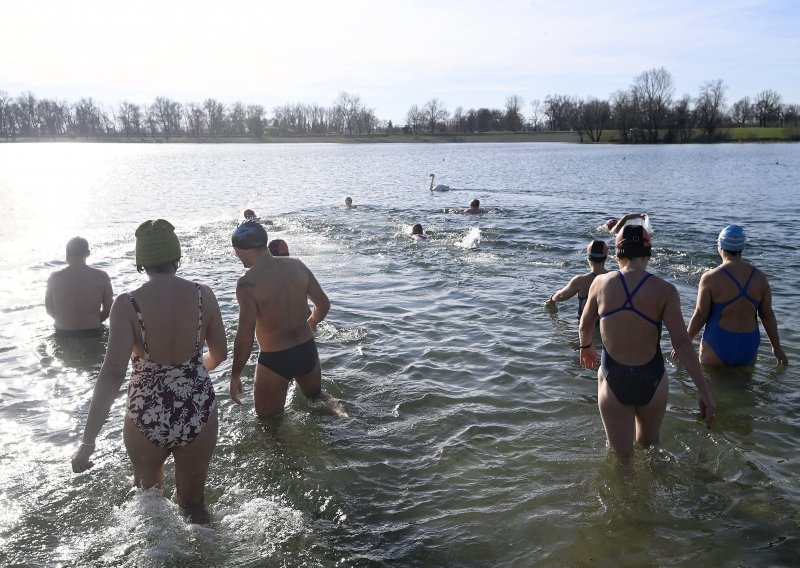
x,y
171,408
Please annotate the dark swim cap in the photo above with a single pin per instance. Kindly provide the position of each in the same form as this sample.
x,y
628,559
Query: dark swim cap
x,y
249,234
598,250
633,242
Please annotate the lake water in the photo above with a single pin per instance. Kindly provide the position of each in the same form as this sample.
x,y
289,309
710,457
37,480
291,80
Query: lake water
x,y
473,436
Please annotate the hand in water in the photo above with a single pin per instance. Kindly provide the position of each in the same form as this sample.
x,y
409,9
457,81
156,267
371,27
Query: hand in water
x,y
80,461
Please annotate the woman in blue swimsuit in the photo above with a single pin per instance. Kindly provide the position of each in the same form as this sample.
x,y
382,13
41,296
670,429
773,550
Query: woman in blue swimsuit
x,y
729,299
171,408
632,387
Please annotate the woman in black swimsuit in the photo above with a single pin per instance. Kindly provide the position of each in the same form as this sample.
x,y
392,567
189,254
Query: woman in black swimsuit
x,y
632,304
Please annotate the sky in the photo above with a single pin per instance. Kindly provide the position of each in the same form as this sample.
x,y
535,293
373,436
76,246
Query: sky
x,y
392,53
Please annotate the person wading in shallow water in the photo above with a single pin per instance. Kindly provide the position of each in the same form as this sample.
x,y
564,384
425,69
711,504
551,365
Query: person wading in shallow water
x,y
729,298
632,305
171,407
597,253
78,297
273,308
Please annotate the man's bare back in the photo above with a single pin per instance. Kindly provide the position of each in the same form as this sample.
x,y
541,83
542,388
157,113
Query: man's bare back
x,y
78,297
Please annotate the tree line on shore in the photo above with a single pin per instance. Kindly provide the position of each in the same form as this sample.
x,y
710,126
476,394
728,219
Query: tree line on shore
x,y
645,112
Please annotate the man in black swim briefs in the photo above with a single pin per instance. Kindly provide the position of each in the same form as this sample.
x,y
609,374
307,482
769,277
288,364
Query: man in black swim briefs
x,y
273,300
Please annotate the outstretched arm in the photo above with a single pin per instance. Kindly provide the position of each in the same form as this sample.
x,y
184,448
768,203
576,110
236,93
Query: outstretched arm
x,y
566,292
112,373
245,333
625,218
683,348
770,324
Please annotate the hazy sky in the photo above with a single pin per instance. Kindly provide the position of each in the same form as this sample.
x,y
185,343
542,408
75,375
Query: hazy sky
x,y
393,53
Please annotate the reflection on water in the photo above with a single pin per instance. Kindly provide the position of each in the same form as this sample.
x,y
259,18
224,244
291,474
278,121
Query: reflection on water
x,y
472,436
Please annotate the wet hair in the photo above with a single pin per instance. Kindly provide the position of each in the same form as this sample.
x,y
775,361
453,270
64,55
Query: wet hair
x,y
416,229
250,234
249,214
633,242
598,251
77,246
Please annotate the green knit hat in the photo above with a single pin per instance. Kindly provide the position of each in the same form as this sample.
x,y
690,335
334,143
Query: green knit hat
x,y
156,243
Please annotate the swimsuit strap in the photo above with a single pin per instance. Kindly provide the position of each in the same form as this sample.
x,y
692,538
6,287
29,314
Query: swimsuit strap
x,y
199,316
628,305
141,323
742,289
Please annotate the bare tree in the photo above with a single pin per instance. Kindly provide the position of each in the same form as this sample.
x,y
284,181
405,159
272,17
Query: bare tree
x,y
255,120
215,117
624,115
514,119
592,117
710,105
653,90
767,107
435,113
537,113
742,112
560,111
414,119
682,120
238,118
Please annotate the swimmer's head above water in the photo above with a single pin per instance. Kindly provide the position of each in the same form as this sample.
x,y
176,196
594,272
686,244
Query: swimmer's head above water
x,y
597,251
633,242
249,214
732,239
278,247
249,234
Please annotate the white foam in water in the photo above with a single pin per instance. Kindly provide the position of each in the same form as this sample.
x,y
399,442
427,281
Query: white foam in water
x,y
472,239
262,524
150,527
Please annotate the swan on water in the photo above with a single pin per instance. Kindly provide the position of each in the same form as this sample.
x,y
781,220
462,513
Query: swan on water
x,y
439,187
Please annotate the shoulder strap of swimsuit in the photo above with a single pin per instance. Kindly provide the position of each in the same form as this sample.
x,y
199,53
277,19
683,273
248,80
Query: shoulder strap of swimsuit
x,y
742,289
141,323
199,315
628,305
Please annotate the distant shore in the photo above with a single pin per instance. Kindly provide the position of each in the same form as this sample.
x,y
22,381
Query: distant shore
x,y
731,135
319,139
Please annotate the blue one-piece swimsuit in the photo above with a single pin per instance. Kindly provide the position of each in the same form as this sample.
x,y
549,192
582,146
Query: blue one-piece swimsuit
x,y
633,384
732,347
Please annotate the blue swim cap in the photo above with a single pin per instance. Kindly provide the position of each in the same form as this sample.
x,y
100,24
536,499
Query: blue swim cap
x,y
731,238
249,234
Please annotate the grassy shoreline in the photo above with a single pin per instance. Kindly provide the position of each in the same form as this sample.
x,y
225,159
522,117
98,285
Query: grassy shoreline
x,y
609,137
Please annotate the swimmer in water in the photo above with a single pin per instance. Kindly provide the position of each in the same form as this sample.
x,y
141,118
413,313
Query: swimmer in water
x,y
250,215
417,233
348,202
597,253
615,225
278,247
475,207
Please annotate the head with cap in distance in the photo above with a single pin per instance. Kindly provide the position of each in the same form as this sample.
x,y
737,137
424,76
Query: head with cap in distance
x,y
633,242
157,247
348,201
417,230
249,214
77,250
475,203
731,240
278,247
597,251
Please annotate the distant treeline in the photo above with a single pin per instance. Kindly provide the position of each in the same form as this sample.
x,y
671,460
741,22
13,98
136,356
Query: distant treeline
x,y
645,112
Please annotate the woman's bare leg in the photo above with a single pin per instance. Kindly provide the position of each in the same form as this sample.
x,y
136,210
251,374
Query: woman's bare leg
x,y
191,470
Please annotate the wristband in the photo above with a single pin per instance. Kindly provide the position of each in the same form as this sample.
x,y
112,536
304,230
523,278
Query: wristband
x,y
586,346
